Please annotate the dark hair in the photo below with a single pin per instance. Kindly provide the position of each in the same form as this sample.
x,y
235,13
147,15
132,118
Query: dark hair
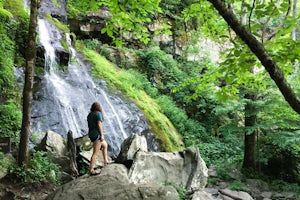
x,y
97,107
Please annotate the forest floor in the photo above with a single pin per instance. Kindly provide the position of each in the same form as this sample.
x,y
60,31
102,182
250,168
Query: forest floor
x,y
11,189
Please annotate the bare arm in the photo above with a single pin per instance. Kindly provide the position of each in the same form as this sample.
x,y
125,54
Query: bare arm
x,y
101,131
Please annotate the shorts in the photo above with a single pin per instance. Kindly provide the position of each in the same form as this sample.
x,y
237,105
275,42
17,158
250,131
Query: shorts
x,y
95,139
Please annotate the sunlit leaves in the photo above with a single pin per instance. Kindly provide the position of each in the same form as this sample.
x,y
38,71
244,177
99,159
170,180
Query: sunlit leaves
x,y
129,18
5,15
210,23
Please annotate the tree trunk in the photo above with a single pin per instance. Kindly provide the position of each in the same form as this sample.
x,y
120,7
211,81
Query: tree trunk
x,y
257,48
71,145
294,31
28,86
250,115
250,145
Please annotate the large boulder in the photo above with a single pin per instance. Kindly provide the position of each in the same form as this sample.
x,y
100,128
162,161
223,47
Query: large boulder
x,y
112,183
86,155
130,147
186,169
55,146
152,175
53,143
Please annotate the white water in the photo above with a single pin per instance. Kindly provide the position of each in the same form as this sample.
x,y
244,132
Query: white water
x,y
44,38
66,96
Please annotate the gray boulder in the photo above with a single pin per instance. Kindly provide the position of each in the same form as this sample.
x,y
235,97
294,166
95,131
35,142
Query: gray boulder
x,y
130,147
201,195
186,169
112,183
55,146
152,175
225,193
53,143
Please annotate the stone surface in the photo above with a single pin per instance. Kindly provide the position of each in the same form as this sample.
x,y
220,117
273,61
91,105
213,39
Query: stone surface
x,y
236,194
99,161
153,175
57,10
62,56
201,195
112,183
186,169
130,147
53,143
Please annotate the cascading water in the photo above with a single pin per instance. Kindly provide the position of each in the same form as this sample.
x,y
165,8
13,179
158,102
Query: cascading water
x,y
65,97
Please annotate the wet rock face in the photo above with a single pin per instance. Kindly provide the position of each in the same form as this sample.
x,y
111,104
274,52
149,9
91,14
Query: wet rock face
x,y
90,26
62,56
57,10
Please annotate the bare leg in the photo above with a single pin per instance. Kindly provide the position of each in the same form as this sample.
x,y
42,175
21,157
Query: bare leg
x,y
104,151
96,148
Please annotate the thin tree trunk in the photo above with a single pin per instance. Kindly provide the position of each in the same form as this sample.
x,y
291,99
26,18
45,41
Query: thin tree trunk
x,y
28,86
250,115
71,145
257,48
250,137
294,31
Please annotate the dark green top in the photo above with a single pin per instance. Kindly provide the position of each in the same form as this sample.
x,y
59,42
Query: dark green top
x,y
93,118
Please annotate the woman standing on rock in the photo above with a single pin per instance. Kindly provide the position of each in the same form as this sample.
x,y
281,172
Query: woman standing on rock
x,y
96,135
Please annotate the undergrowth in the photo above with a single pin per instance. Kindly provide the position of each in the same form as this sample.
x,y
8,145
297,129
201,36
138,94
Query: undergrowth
x,y
39,169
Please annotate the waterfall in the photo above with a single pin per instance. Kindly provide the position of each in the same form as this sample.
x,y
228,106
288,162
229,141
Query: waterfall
x,y
63,101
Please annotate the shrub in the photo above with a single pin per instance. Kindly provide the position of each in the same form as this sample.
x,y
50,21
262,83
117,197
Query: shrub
x,y
40,169
5,15
10,121
280,155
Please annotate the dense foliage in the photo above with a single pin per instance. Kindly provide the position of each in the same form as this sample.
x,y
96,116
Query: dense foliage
x,y
13,26
206,101
201,99
39,169
13,33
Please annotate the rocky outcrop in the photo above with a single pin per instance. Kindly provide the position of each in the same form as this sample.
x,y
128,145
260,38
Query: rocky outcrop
x,y
152,175
185,169
62,56
56,8
112,183
130,147
90,26
55,146
53,143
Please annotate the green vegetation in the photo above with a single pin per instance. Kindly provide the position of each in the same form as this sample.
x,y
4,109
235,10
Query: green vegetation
x,y
10,121
183,194
13,34
39,169
197,102
129,82
13,19
56,4
62,27
59,25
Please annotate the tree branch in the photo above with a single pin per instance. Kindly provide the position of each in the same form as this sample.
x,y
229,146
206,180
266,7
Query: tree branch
x,y
257,48
282,22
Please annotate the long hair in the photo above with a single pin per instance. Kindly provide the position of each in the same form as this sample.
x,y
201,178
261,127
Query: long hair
x,y
97,107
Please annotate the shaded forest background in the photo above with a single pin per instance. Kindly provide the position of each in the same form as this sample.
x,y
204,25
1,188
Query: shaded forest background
x,y
215,102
